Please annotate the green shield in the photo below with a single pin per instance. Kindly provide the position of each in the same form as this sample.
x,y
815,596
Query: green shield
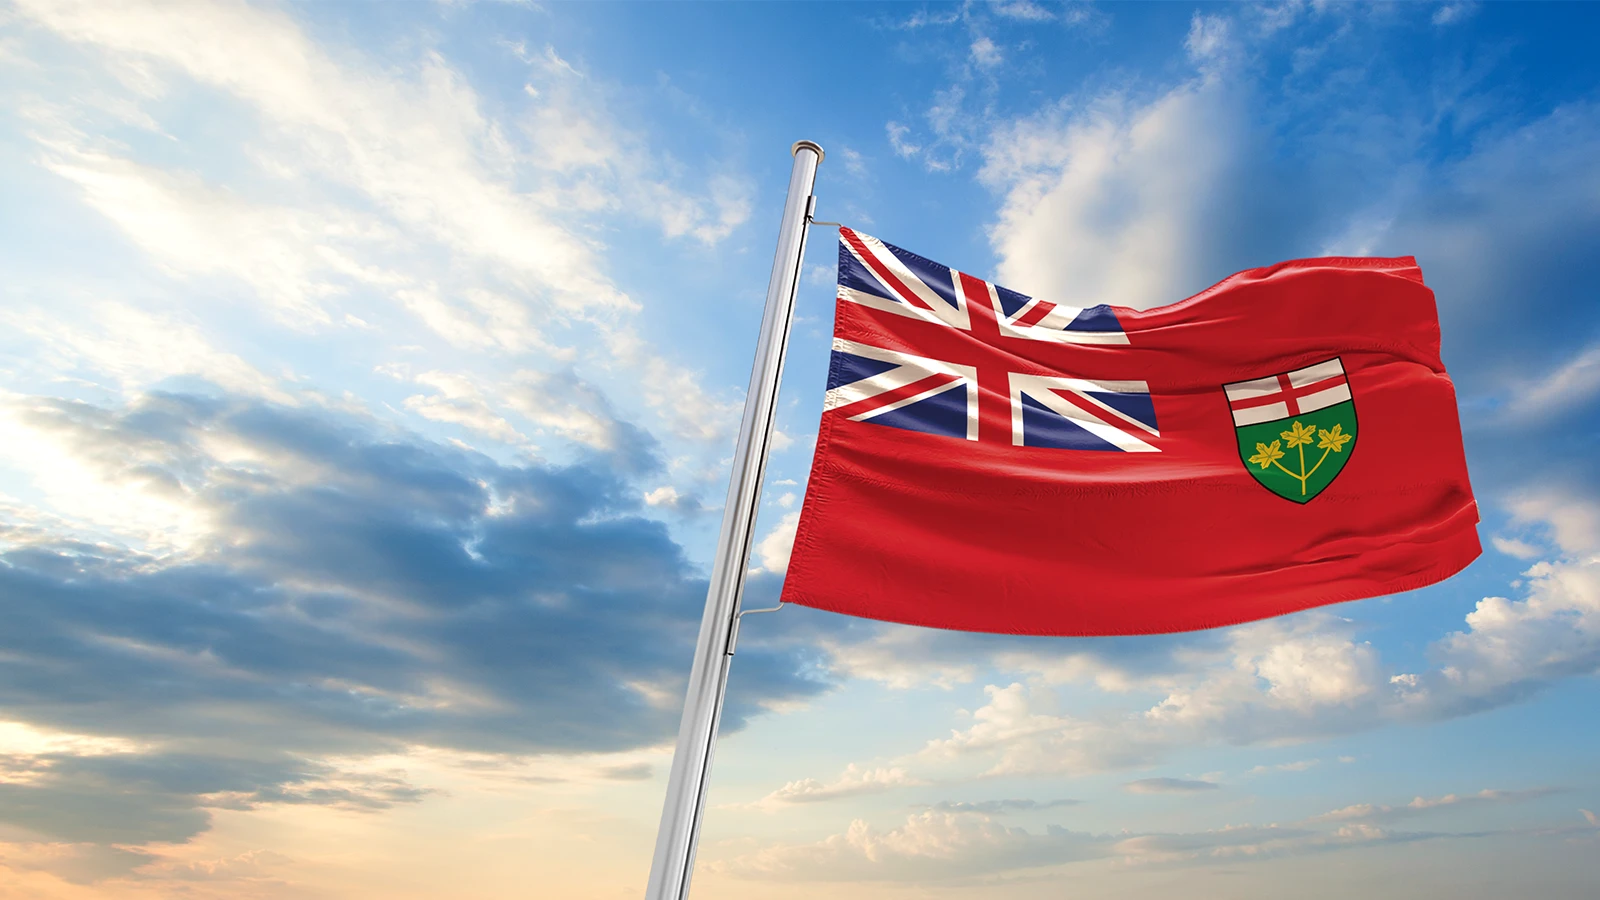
x,y
1296,457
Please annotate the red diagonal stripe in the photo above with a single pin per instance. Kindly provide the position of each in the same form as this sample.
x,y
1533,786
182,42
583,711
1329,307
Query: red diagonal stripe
x,y
883,271
887,397
1088,407
1034,316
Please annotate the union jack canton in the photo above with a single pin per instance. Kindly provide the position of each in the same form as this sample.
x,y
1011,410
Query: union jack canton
x,y
923,347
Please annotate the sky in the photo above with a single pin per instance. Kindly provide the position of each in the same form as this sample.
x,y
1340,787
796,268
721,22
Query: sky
x,y
368,382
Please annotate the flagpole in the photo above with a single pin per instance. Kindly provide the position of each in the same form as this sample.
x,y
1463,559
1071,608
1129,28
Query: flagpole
x,y
708,679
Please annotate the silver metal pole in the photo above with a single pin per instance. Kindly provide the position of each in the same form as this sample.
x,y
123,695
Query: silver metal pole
x,y
708,680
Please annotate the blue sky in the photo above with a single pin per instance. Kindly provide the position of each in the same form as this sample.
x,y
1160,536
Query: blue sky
x,y
369,380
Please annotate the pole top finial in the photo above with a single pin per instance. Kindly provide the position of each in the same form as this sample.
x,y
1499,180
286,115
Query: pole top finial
x,y
811,144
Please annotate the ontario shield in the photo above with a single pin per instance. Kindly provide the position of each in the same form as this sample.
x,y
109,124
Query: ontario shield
x,y
1296,430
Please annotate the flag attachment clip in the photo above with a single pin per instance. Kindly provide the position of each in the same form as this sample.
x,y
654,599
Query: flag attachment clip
x,y
733,638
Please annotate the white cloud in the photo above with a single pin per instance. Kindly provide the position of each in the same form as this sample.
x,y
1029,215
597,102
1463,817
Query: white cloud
x,y
1419,805
250,867
289,256
1299,765
686,408
1569,386
1238,843
1024,10
956,115
666,495
1109,202
953,127
423,151
103,482
854,163
922,18
1318,671
559,403
897,140
1571,518
1210,38
459,401
1085,15
986,53
929,847
1450,13
1000,807
1169,786
366,184
773,550
852,782
476,318
1512,646
20,740
903,658
947,845
567,405
1514,547
126,349
1021,734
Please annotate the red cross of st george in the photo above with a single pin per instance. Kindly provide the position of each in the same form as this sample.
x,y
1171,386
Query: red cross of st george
x,y
1288,394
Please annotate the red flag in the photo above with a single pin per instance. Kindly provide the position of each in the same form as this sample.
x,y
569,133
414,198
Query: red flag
x,y
989,461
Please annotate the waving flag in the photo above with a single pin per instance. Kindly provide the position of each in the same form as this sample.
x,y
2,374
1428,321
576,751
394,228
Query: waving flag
x,y
992,461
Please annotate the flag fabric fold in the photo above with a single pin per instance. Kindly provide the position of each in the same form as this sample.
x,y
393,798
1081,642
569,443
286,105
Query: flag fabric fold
x,y
990,461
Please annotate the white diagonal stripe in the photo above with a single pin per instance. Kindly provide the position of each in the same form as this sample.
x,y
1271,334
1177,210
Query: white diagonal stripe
x,y
954,315
1040,388
894,379
972,419
891,306
912,369
856,348
1052,326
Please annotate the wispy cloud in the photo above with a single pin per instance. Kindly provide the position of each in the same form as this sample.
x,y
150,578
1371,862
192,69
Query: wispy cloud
x,y
1299,765
944,847
1000,807
1169,786
852,782
1422,805
370,188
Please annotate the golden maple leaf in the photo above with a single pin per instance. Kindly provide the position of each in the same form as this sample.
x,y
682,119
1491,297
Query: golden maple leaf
x,y
1266,456
1334,440
1298,434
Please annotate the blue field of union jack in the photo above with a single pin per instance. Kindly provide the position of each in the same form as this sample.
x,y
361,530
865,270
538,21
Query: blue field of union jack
x,y
937,394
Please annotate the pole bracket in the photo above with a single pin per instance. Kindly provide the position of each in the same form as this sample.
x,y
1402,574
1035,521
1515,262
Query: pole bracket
x,y
811,207
733,638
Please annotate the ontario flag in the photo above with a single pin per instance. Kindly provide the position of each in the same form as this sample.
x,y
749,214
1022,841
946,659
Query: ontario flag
x,y
990,461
